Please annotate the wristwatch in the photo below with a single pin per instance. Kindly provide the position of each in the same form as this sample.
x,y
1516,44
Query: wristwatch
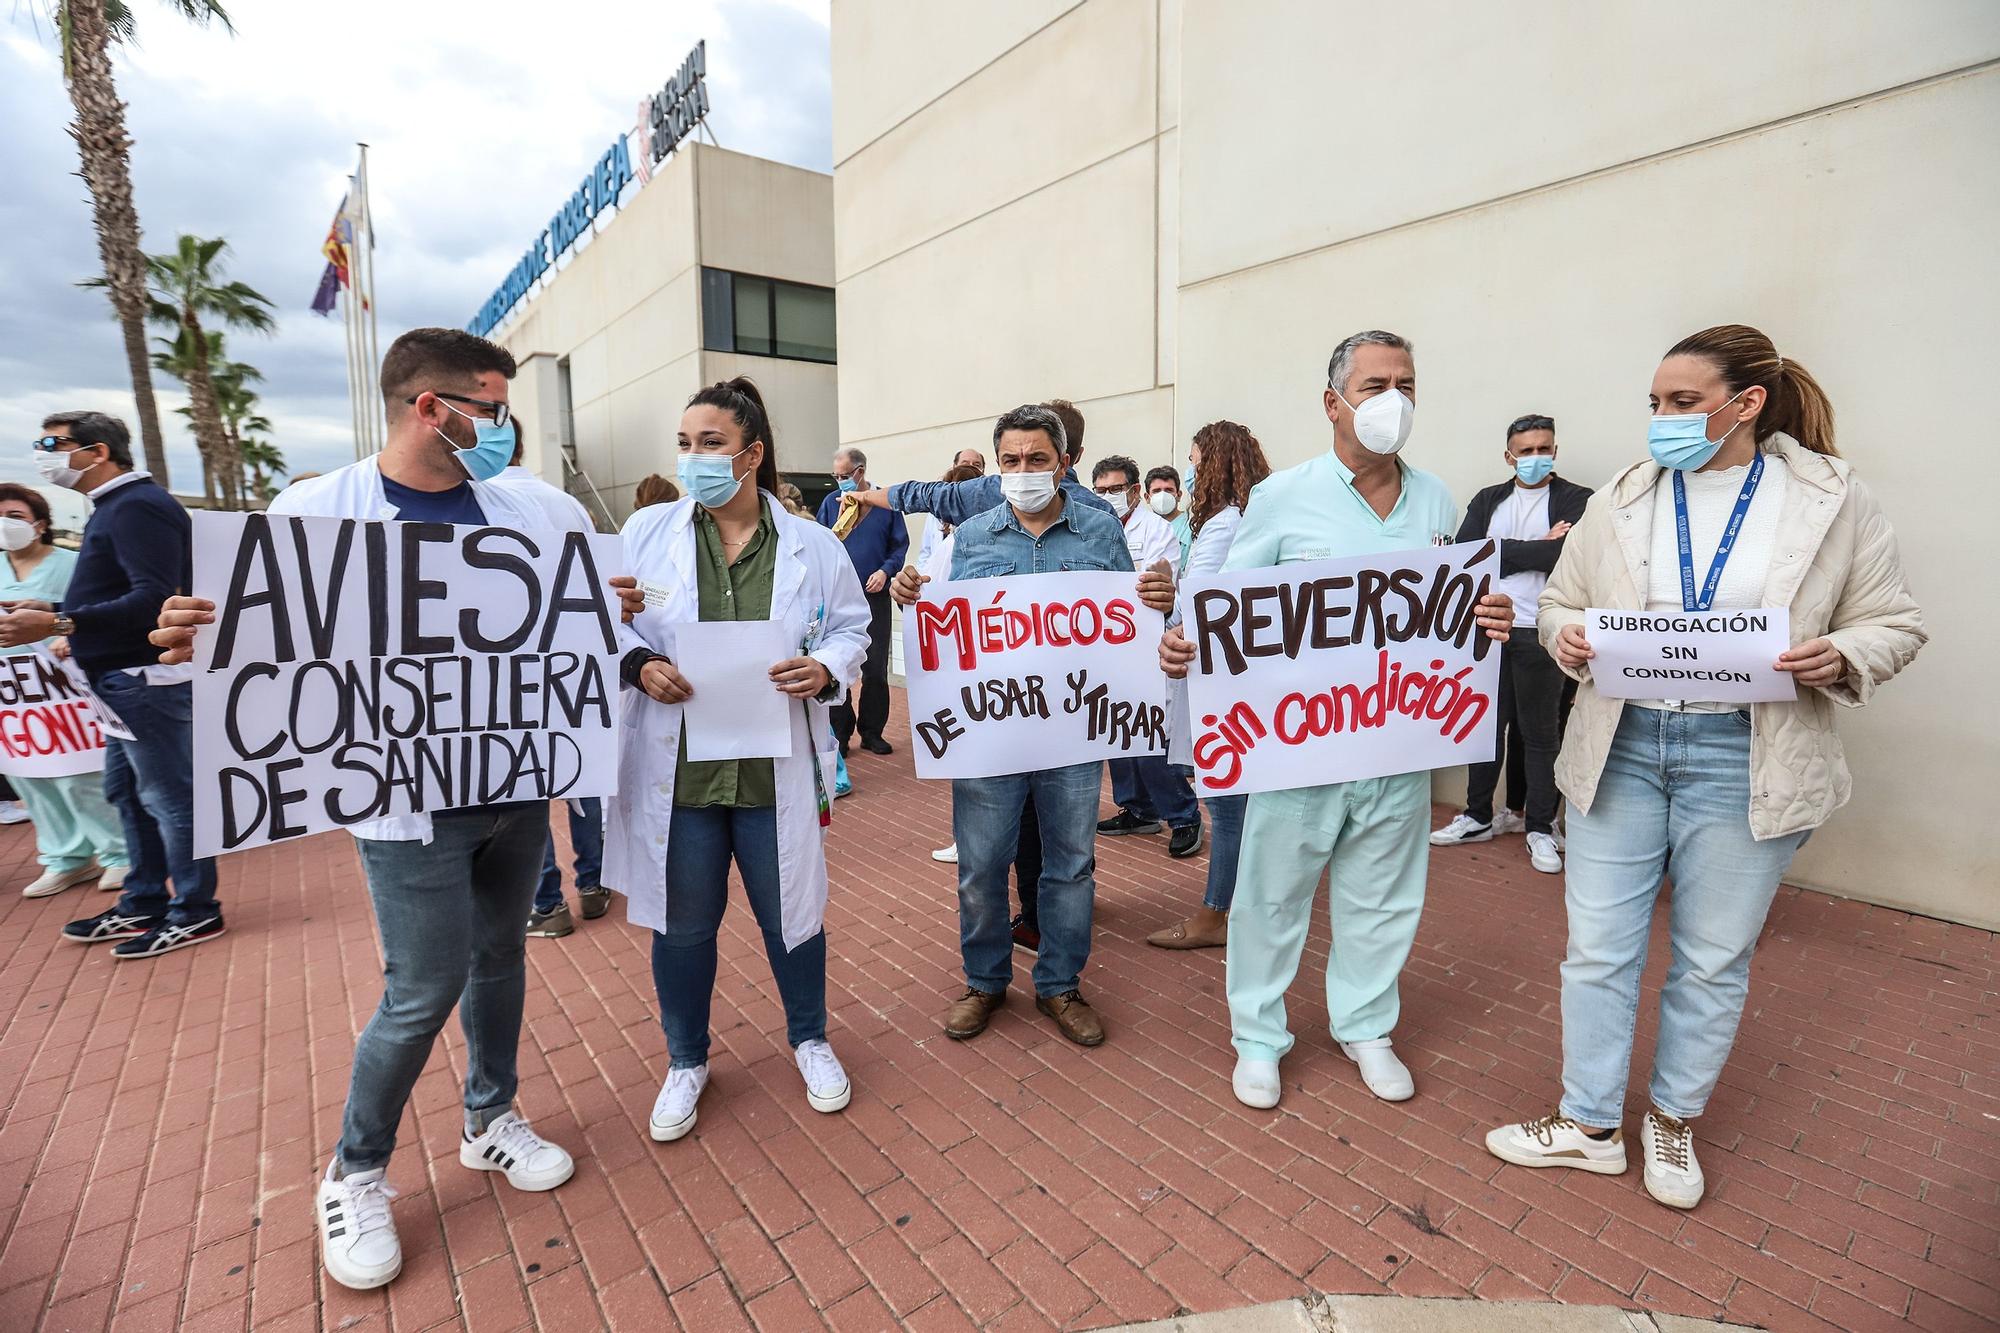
x,y
65,624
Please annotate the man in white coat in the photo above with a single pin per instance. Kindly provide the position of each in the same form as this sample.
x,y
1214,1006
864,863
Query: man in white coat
x,y
1148,789
450,890
550,918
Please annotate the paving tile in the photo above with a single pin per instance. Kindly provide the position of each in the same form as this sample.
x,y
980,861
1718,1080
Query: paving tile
x,y
158,1171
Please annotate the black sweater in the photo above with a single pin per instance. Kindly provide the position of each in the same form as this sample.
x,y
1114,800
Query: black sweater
x,y
1566,502
136,553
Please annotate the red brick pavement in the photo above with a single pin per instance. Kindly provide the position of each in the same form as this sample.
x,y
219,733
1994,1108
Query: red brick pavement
x,y
164,1124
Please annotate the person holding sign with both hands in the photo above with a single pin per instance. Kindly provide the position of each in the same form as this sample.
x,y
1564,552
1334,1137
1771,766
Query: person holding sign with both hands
x,y
1744,504
451,890
730,552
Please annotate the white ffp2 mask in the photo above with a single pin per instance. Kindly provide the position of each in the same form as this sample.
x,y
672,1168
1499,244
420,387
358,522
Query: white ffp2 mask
x,y
1382,424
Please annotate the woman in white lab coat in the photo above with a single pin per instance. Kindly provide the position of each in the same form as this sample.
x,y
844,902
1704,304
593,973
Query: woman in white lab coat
x,y
730,552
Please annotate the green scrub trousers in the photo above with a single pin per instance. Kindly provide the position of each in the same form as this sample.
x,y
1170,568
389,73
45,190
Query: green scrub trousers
x,y
1374,838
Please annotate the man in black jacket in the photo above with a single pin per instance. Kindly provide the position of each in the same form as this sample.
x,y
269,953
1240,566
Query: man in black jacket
x,y
136,553
1529,514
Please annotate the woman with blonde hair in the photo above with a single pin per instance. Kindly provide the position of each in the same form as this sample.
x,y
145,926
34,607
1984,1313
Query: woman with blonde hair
x,y
1743,504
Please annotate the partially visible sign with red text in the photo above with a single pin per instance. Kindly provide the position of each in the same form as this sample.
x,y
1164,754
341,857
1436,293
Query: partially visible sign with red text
x,y
1337,670
1031,672
49,724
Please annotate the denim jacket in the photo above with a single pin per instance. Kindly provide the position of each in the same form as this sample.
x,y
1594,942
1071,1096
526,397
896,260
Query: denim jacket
x,y
958,501
994,544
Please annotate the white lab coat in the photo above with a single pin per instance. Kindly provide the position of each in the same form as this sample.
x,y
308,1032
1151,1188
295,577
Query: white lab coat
x,y
355,491
1205,556
1150,539
565,511
813,578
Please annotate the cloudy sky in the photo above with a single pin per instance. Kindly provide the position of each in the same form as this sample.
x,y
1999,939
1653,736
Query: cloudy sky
x,y
480,117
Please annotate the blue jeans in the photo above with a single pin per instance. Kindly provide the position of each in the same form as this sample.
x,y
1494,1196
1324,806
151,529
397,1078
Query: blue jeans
x,y
586,845
1225,842
1151,788
986,820
450,912
1674,783
149,781
700,845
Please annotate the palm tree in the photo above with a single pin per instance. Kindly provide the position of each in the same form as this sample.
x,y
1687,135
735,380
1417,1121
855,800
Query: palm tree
x,y
88,28
262,458
182,288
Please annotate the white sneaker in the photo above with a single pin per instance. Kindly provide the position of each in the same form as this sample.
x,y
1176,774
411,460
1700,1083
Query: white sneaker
x,y
946,855
1463,828
674,1108
1255,1082
53,882
1673,1176
1380,1069
357,1234
1543,854
1506,821
13,812
1556,1140
826,1082
511,1145
113,879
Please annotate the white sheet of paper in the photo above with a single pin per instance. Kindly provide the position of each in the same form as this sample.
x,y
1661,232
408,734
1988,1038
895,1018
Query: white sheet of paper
x,y
735,711
1693,656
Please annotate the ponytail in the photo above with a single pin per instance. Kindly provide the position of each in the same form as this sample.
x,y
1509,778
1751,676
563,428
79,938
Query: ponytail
x,y
739,397
1794,403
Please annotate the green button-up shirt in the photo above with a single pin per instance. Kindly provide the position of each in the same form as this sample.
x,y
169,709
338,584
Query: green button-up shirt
x,y
740,591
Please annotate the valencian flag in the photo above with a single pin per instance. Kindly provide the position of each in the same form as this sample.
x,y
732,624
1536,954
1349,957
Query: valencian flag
x,y
349,248
338,249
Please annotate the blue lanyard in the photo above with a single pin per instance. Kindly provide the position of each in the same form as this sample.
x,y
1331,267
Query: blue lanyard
x,y
1722,548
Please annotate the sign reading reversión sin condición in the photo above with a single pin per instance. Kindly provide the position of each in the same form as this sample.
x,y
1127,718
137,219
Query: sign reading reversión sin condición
x,y
665,119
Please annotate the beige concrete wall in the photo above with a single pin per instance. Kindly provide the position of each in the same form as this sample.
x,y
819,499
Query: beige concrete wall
x,y
1550,213
625,309
998,180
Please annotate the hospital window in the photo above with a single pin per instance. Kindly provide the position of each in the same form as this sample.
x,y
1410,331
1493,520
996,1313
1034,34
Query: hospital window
x,y
766,316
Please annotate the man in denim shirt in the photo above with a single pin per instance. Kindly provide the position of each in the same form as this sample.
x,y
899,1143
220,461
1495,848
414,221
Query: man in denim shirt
x,y
1039,529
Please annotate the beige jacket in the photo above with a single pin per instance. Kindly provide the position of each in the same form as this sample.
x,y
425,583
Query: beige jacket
x,y
1834,564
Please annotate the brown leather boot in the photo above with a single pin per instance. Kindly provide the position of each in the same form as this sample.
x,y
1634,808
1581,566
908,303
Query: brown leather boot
x,y
1074,1016
973,1011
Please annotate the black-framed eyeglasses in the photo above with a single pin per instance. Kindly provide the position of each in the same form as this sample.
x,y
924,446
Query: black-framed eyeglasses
x,y
499,410
1532,421
49,444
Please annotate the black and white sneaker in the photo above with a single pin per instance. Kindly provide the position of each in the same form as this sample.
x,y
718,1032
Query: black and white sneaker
x,y
165,938
1186,840
357,1234
511,1145
111,925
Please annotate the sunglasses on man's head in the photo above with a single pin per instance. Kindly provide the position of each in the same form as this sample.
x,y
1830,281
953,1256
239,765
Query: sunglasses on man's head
x,y
49,444
499,410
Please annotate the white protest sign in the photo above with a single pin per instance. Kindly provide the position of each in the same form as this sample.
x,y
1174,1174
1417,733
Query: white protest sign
x,y
1337,670
1033,671
359,670
735,712
1692,656
49,724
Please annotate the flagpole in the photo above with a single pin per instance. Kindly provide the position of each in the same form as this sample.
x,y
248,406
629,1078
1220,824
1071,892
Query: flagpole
x,y
372,384
350,318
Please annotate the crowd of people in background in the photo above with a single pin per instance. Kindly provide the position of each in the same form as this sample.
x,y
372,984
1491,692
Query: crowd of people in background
x,y
1741,501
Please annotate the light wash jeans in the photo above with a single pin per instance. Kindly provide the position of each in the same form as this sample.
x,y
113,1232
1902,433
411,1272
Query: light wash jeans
x,y
986,820
452,913
1674,783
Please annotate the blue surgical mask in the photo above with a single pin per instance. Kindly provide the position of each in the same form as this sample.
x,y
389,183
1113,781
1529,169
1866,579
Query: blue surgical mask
x,y
1534,469
710,478
492,452
1680,440
846,484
